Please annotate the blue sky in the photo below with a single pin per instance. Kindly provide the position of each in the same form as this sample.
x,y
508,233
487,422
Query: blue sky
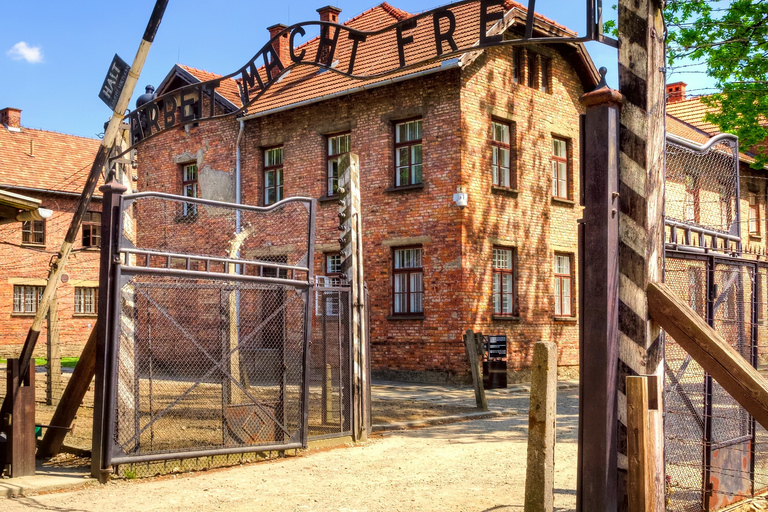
x,y
54,55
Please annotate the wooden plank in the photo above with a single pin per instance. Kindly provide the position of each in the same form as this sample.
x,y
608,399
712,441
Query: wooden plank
x,y
71,399
640,449
540,470
475,364
734,373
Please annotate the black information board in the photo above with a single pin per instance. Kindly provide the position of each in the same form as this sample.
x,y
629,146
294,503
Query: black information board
x,y
114,82
495,364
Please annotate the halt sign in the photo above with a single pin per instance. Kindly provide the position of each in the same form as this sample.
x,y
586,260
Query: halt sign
x,y
114,82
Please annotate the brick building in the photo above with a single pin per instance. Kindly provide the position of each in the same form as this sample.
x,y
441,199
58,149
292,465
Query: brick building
x,y
51,168
500,125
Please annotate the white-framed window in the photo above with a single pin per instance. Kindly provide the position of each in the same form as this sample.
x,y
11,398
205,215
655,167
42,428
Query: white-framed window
x,y
338,146
26,298
503,281
500,154
754,215
33,232
273,175
560,170
189,187
563,285
408,290
86,300
408,153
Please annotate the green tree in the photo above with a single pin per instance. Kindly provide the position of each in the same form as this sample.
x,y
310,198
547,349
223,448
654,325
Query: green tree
x,y
731,38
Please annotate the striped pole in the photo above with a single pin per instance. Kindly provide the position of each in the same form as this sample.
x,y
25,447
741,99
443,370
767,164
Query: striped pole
x,y
641,226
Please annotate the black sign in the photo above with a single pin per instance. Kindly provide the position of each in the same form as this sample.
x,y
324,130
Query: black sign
x,y
114,82
497,346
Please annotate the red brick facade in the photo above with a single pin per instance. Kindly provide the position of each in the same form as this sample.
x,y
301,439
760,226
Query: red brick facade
x,y
456,106
51,167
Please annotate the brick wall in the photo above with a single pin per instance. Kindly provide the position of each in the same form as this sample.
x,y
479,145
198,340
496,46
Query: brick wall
x,y
29,266
456,107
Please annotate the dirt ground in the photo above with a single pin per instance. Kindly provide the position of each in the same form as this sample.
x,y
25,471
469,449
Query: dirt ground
x,y
471,466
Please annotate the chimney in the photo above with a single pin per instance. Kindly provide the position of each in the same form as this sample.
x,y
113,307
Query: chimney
x,y
329,13
281,43
676,92
11,118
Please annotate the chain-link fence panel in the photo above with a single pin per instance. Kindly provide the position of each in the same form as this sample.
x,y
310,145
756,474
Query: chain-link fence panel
x,y
684,397
330,385
761,363
702,187
208,364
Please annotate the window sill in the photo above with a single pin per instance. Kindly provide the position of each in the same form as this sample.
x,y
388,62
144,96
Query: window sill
x,y
85,315
417,186
566,319
23,314
512,192
328,199
405,317
563,202
93,248
755,237
33,246
501,318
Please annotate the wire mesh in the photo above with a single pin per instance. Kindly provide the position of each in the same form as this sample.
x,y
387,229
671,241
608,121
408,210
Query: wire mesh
x,y
701,188
330,389
715,456
208,364
199,231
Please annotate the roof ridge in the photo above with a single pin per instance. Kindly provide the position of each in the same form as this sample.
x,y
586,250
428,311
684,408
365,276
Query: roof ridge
x,y
27,128
689,125
394,11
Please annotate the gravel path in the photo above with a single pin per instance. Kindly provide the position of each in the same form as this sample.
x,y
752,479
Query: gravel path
x,y
471,466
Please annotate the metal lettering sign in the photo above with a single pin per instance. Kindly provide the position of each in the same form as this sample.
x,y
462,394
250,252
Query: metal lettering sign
x,y
267,67
114,82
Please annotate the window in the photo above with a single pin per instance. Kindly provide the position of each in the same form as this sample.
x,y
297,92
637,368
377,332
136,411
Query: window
x,y
516,53
189,188
500,147
328,301
754,215
544,85
333,268
408,291
273,175
33,232
562,285
532,71
503,281
408,155
560,173
26,298
338,146
86,300
92,229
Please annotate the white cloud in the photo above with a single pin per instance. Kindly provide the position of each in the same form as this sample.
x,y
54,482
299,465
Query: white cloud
x,y
22,51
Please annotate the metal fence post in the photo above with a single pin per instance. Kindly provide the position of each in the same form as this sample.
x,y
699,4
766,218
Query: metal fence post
x,y
102,423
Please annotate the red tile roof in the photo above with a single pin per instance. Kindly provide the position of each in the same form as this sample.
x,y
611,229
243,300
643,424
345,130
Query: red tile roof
x,y
377,55
45,160
692,111
228,89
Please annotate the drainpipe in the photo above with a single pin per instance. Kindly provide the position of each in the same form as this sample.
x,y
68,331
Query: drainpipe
x,y
238,190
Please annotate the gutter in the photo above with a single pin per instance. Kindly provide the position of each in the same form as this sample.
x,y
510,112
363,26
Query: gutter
x,y
47,191
445,65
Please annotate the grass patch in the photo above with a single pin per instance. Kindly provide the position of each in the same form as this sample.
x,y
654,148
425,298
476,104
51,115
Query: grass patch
x,y
66,362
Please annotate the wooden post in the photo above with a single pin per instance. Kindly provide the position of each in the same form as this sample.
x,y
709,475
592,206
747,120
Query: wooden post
x,y
70,402
474,354
640,449
53,364
598,301
19,424
542,413
641,225
328,396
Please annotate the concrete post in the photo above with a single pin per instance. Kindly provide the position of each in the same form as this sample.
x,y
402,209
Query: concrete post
x,y
53,363
540,472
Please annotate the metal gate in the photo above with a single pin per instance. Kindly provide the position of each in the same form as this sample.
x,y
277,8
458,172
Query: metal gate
x,y
212,320
713,456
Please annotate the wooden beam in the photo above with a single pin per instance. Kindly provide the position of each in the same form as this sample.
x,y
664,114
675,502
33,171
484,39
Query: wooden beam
x,y
640,449
476,365
734,373
70,400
